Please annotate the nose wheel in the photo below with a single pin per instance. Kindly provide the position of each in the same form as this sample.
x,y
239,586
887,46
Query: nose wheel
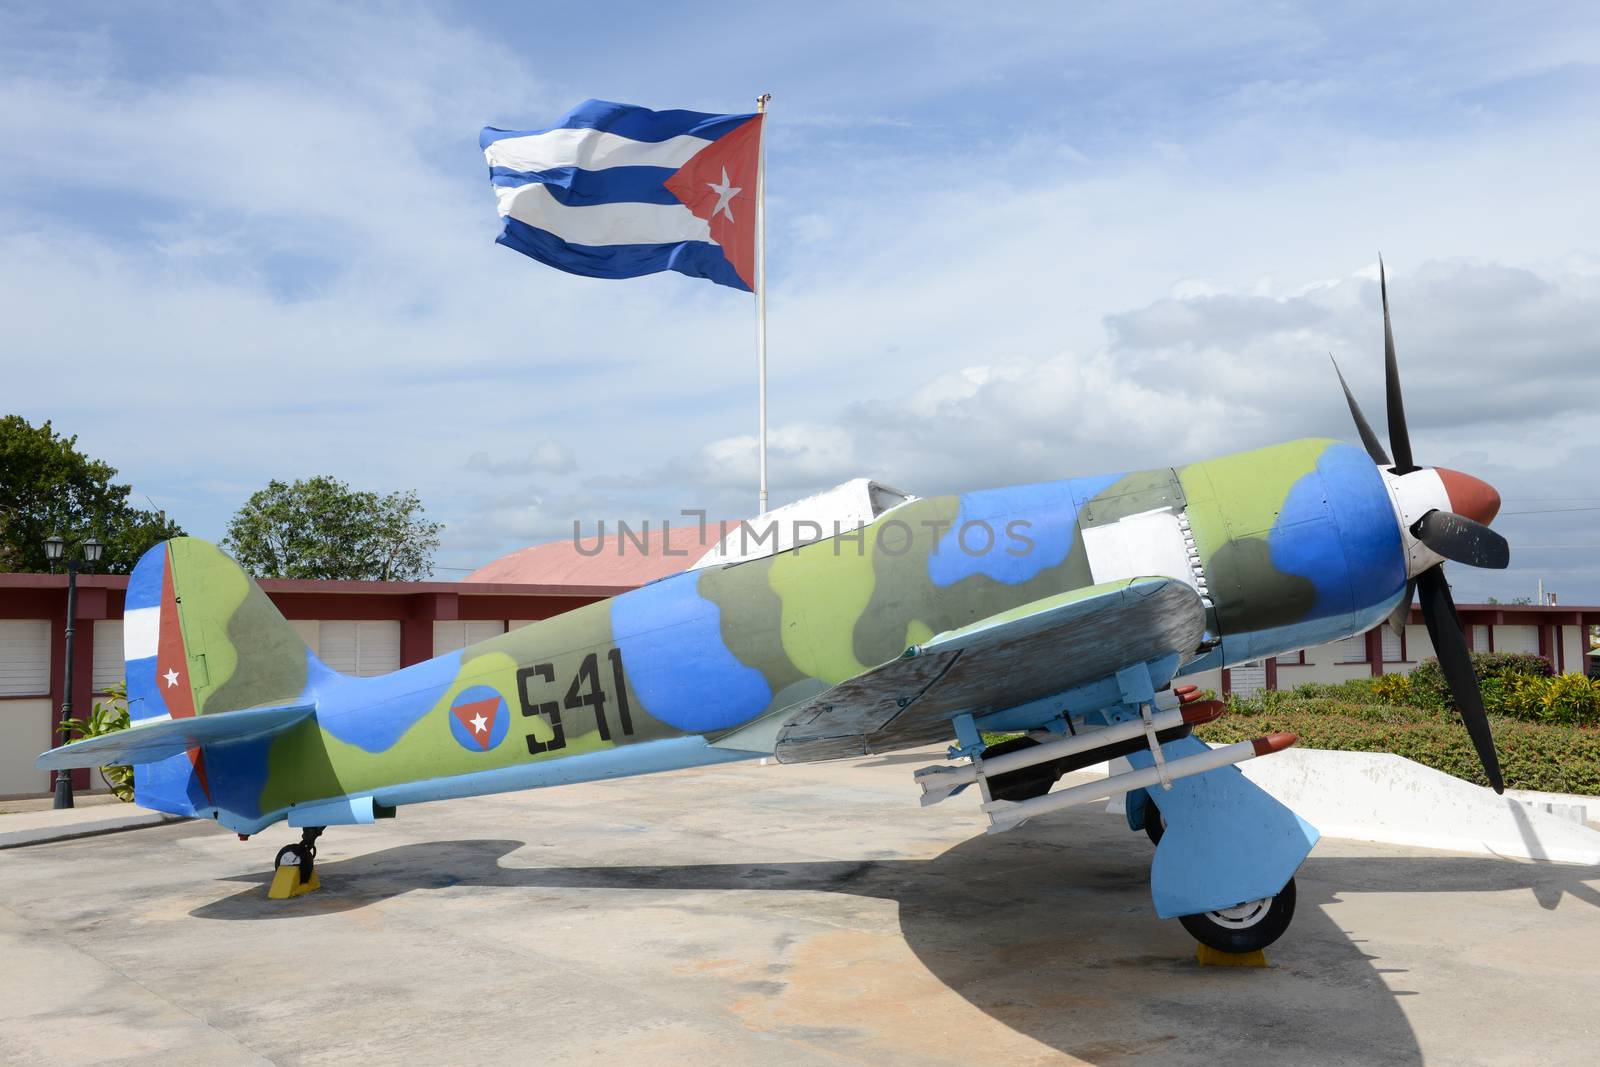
x,y
295,869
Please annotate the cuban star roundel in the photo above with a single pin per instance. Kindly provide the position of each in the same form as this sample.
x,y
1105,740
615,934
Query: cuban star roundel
x,y
478,718
718,184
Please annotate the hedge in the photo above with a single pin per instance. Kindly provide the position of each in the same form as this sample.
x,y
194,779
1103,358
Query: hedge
x,y
1548,756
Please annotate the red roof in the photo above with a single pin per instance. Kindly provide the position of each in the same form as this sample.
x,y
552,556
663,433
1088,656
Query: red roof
x,y
614,562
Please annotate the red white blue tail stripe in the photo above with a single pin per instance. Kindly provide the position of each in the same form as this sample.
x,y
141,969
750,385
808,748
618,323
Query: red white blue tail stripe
x,y
616,191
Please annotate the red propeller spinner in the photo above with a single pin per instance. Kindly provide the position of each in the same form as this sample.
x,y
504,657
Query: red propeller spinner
x,y
1469,496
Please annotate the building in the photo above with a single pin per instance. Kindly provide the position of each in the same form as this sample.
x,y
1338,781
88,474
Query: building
x,y
368,628
1560,634
359,628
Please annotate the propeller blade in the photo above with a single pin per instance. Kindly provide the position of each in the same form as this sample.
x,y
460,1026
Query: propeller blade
x,y
1402,610
1439,612
1399,438
1368,438
1462,539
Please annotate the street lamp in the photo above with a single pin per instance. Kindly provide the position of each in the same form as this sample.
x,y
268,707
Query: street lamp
x,y
54,549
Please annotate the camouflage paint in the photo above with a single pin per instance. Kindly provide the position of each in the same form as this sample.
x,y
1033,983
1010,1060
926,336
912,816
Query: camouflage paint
x,y
1298,541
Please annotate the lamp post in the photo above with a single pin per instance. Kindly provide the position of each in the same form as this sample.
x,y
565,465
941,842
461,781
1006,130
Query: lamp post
x,y
54,550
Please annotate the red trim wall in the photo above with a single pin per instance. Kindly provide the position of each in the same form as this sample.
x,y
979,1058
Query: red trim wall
x,y
415,605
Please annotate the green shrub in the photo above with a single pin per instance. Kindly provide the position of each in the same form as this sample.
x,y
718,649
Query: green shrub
x,y
105,717
1571,699
1354,689
1533,755
1392,688
1429,688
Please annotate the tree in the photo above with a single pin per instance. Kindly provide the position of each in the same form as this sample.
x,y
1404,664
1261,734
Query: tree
x,y
321,528
48,487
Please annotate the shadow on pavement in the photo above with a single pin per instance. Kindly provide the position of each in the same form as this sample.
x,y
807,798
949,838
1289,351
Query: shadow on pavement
x,y
1050,937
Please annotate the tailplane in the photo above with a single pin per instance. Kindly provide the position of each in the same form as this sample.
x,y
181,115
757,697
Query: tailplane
x,y
201,640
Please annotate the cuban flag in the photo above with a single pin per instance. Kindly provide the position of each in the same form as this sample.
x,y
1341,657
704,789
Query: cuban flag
x,y
617,191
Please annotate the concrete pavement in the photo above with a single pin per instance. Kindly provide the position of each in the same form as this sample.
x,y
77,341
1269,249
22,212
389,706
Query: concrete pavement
x,y
43,825
746,914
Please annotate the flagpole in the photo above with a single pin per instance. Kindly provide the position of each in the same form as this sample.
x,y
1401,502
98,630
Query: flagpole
x,y
761,296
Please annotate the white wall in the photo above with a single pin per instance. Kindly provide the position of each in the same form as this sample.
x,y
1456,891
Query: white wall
x,y
1211,680
310,631
450,636
1326,673
24,733
360,648
108,661
1572,647
1510,638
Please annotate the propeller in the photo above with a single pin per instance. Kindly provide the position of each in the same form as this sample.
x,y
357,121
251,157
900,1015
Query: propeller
x,y
1462,539
1399,437
1457,537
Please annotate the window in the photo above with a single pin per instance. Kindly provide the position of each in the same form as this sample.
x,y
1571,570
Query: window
x,y
360,648
107,654
1394,646
1480,637
1247,679
1293,659
1353,649
24,657
449,636
1516,639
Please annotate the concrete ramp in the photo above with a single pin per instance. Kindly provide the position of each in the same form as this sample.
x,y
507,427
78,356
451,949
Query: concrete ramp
x,y
1367,796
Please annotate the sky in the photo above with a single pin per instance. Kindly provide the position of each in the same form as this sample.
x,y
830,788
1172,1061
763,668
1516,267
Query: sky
x,y
1007,243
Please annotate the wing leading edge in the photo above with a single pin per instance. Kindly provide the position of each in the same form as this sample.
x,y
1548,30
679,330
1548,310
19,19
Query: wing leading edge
x,y
1029,653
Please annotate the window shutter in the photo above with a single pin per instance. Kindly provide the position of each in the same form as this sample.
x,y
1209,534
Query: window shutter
x,y
377,648
25,657
107,654
1353,649
336,646
1516,639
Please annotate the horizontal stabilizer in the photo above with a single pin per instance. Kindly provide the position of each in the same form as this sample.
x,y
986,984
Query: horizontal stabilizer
x,y
152,740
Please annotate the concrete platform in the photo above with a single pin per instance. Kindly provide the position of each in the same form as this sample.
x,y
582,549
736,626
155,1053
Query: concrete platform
x,y
44,825
749,914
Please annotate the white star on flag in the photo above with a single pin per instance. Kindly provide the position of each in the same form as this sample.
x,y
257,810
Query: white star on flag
x,y
172,677
479,723
725,194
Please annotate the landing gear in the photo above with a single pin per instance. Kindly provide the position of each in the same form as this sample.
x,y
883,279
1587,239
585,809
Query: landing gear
x,y
1247,927
294,871
1154,823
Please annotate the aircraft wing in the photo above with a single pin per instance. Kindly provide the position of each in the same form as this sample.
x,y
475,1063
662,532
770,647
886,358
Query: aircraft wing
x,y
1025,654
157,739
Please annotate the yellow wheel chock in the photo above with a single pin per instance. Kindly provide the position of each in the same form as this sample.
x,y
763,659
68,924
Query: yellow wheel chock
x,y
295,872
1206,956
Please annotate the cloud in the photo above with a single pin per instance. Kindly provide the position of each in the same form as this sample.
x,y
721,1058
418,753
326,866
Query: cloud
x,y
546,457
261,242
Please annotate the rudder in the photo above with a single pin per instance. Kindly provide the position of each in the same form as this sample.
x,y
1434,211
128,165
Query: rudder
x,y
189,612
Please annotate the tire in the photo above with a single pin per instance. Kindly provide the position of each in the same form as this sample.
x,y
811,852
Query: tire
x,y
1154,824
287,854
1245,927
1025,784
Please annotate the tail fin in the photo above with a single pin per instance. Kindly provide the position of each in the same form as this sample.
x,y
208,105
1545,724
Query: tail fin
x,y
189,613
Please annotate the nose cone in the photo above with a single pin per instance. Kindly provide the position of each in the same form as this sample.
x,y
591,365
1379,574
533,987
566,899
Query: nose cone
x,y
1469,496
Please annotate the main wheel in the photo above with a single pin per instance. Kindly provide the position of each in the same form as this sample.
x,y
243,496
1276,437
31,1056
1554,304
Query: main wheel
x,y
287,854
1246,927
1024,784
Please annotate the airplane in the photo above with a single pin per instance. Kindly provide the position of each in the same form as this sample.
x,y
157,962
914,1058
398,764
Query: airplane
x,y
1065,612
